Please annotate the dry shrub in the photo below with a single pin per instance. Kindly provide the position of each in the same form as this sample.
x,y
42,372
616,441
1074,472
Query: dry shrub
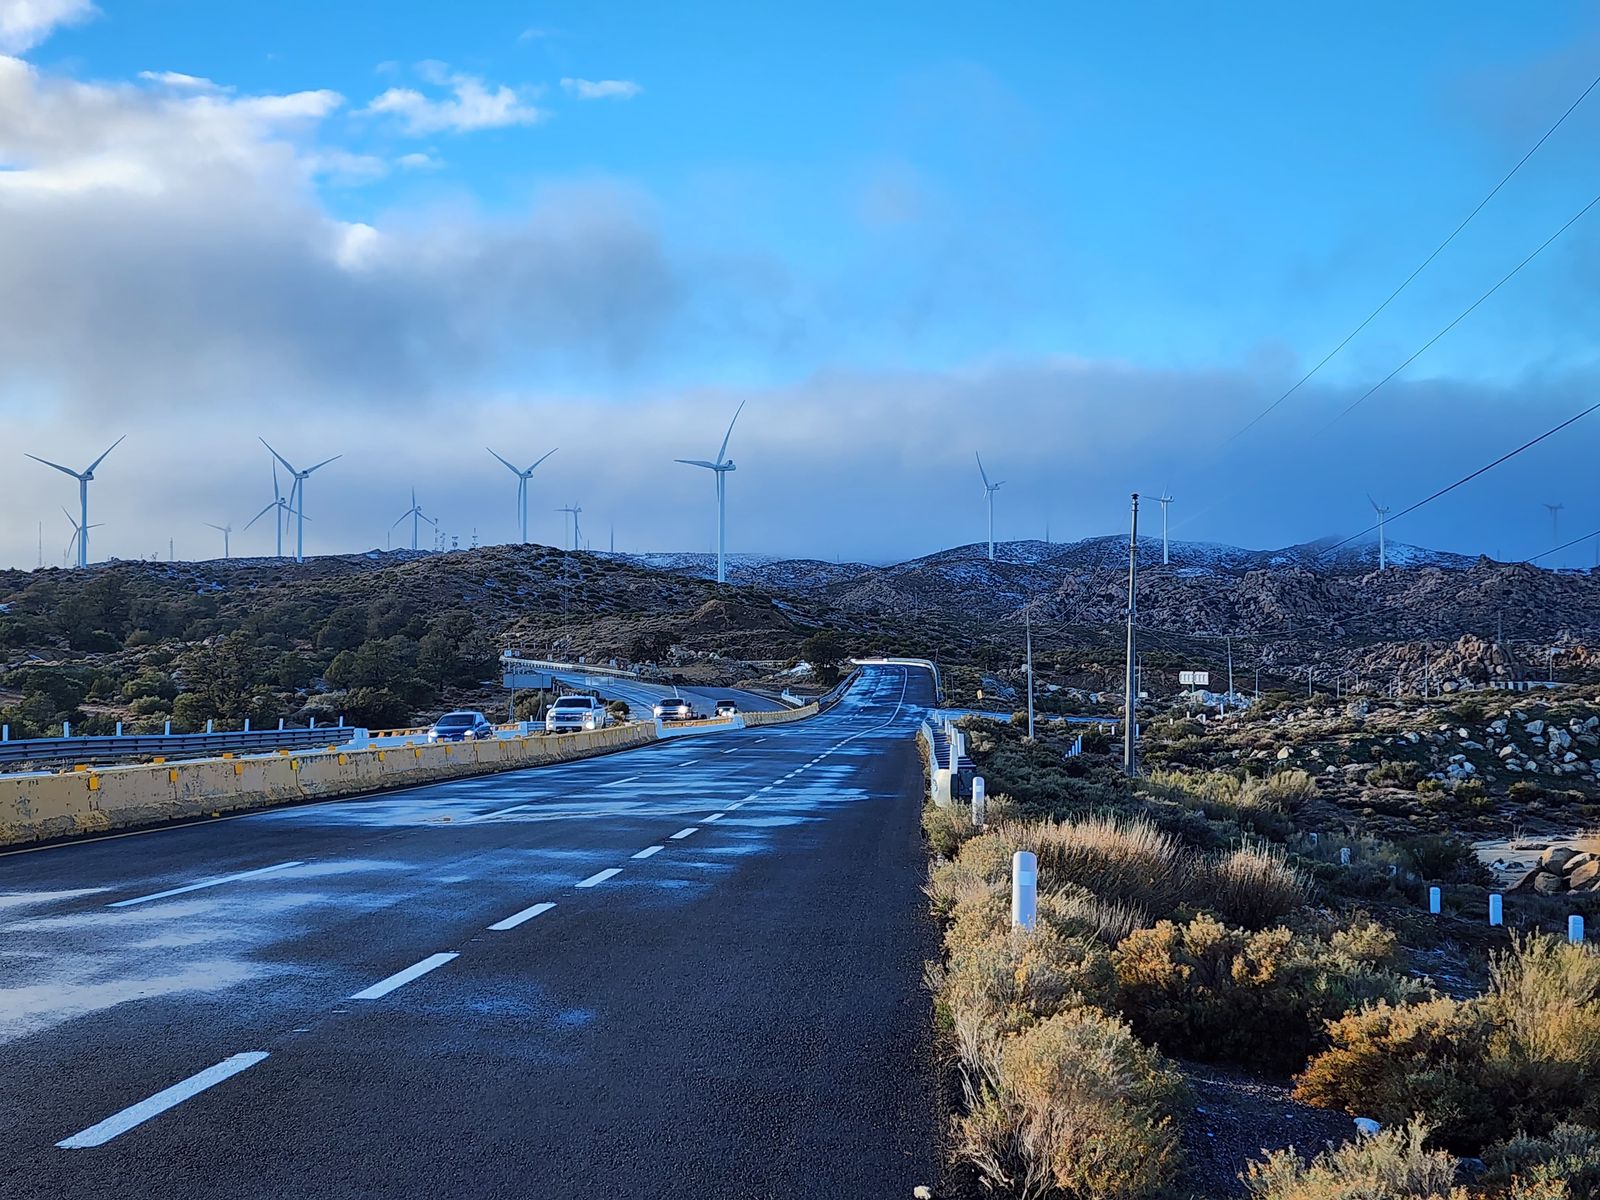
x,y
1253,885
1390,1165
1564,1164
1074,1107
1013,977
1223,994
946,828
1077,912
1258,804
1521,1057
1123,860
980,868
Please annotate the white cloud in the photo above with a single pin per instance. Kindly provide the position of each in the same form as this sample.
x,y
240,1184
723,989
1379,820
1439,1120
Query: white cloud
x,y
26,23
417,161
601,89
471,105
181,82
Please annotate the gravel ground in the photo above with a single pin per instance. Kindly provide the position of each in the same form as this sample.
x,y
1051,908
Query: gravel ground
x,y
1237,1115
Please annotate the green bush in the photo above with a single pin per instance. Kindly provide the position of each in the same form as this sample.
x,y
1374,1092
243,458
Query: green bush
x,y
1073,1107
1390,1165
1223,994
1396,773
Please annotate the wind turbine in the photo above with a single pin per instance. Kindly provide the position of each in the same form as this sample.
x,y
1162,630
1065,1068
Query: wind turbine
x,y
224,530
417,517
82,526
522,490
1555,519
79,533
1164,500
278,503
574,509
720,467
989,489
297,498
1382,513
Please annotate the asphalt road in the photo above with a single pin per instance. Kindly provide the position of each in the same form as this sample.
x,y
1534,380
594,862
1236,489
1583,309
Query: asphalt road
x,y
690,970
641,695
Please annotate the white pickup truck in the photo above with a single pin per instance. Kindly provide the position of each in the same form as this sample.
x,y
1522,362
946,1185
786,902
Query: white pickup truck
x,y
572,713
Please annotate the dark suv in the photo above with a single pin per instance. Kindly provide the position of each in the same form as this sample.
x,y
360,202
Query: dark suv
x,y
461,727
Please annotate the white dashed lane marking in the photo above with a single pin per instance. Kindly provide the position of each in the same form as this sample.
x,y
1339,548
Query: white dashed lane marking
x,y
713,817
526,914
683,833
209,883
620,782
138,1114
400,978
498,813
690,763
599,877
649,850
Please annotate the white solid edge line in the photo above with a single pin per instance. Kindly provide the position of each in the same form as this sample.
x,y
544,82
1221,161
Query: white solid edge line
x,y
209,883
620,782
712,817
526,914
136,1114
400,978
648,851
683,833
599,877
497,813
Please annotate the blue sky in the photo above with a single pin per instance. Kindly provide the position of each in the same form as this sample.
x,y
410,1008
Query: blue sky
x,y
1090,241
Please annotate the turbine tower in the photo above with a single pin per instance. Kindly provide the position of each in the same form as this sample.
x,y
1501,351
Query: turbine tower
x,y
1382,513
1164,500
1555,522
989,489
81,526
77,535
279,504
574,510
720,467
225,531
297,497
522,491
417,517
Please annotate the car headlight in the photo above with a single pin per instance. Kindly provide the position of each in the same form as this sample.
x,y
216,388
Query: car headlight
x,y
469,733
432,736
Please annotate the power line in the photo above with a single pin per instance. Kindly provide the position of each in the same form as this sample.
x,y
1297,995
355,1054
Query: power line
x,y
1439,249
1469,478
1506,278
1565,546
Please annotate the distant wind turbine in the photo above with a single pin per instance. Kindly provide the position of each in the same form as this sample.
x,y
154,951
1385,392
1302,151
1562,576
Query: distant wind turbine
x,y
82,526
1164,500
720,467
1555,522
297,497
79,533
225,531
989,489
573,510
417,517
522,490
1382,513
279,505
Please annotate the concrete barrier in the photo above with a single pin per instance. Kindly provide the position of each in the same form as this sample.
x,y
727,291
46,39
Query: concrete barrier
x,y
39,807
779,718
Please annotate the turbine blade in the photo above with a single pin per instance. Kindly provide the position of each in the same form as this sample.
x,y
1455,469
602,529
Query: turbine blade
x,y
323,463
276,493
102,458
262,513
402,517
696,462
509,467
723,452
287,464
529,471
57,466
981,471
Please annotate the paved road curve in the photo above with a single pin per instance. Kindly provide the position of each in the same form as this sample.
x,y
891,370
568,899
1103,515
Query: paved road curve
x,y
691,970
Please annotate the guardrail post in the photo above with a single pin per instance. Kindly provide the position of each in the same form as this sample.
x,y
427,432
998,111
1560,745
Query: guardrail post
x,y
1433,900
341,720
247,724
313,722
119,728
208,724
280,724
980,806
1024,889
1575,929
1496,909
5,733
66,729
166,729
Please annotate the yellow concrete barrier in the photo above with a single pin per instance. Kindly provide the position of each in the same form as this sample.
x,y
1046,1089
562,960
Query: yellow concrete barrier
x,y
780,718
38,807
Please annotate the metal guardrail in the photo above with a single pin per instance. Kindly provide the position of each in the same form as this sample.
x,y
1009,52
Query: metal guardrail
x,y
74,750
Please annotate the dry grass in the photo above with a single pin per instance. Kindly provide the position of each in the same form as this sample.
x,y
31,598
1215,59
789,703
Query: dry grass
x,y
1390,1165
1252,886
1122,860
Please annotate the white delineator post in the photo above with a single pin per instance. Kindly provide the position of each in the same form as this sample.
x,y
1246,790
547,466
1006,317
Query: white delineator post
x,y
1496,909
1433,900
1575,929
1025,889
980,802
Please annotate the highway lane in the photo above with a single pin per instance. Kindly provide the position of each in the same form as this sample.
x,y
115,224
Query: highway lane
x,y
687,970
641,694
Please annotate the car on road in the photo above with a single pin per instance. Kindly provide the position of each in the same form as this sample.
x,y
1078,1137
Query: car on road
x,y
674,708
462,726
726,707
572,713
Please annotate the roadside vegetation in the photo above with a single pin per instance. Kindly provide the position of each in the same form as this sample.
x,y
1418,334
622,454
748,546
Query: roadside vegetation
x,y
1211,914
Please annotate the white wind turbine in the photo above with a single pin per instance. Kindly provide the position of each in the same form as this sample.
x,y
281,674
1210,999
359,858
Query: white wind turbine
x,y
279,505
720,467
1382,513
78,534
297,498
417,517
989,489
573,510
1164,500
81,526
225,531
522,490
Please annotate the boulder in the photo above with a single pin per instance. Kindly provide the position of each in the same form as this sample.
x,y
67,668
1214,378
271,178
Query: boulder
x,y
1557,857
1534,728
1284,753
1584,878
1497,726
1547,883
1524,882
1561,738
1507,751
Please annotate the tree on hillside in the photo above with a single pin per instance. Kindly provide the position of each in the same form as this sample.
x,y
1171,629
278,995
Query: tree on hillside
x,y
823,651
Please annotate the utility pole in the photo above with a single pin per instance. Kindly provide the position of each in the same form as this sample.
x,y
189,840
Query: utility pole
x,y
1230,671
1308,683
1130,722
1027,625
1427,670
1258,681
